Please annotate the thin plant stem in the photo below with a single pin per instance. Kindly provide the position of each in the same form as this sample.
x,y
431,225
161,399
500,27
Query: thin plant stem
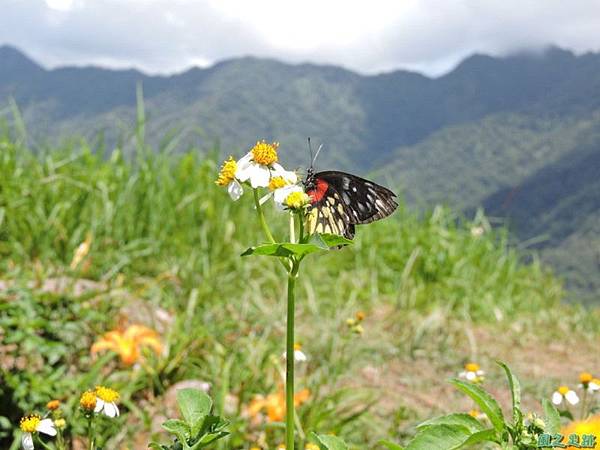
x,y
261,217
289,360
292,228
90,434
584,404
43,444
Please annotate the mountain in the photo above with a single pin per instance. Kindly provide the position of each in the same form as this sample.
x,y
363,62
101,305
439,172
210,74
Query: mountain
x,y
518,135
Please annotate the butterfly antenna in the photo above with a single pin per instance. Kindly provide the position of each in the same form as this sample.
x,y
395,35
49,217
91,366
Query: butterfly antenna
x,y
316,154
311,153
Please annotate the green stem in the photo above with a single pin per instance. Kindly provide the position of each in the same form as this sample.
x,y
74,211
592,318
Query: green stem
x,y
261,217
289,360
583,404
43,444
292,228
90,434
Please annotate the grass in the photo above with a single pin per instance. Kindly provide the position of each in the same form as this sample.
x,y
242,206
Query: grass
x,y
437,290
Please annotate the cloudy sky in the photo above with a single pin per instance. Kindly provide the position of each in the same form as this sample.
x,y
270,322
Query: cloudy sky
x,y
369,36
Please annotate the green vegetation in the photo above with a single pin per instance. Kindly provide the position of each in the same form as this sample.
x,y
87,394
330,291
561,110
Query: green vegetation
x,y
163,250
517,136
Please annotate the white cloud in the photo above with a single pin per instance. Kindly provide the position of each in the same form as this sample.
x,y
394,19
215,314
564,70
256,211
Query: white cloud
x,y
367,36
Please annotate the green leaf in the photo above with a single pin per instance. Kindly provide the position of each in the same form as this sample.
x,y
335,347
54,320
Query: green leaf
x,y
179,428
515,390
552,417
285,249
462,419
194,405
329,442
329,240
487,435
485,401
439,437
390,445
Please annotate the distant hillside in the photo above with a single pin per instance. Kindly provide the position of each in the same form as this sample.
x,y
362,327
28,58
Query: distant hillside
x,y
518,135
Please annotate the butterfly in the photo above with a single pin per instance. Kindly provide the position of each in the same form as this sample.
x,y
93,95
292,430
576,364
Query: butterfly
x,y
339,201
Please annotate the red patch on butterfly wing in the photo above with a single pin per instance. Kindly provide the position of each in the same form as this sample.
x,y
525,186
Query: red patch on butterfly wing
x,y
319,192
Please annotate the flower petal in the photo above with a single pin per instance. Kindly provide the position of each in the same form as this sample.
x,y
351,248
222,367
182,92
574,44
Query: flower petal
x,y
572,397
471,376
110,409
46,426
557,398
235,190
259,175
99,405
288,175
27,441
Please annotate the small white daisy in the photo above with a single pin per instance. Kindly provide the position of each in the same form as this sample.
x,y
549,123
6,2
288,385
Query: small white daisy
x,y
563,393
106,401
299,355
472,373
35,424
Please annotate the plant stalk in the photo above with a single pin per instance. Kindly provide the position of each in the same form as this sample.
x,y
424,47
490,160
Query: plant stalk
x,y
261,217
289,360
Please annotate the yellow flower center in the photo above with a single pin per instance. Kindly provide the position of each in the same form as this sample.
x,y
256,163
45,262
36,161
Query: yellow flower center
x,y
471,367
276,183
360,316
60,424
585,377
297,346
311,446
53,404
265,154
474,413
297,200
88,401
595,381
107,394
29,424
227,173
563,390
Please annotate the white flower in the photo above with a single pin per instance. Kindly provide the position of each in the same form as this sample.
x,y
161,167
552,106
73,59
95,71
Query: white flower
x,y
593,385
280,195
32,424
227,178
472,373
109,409
564,393
257,174
299,355
106,401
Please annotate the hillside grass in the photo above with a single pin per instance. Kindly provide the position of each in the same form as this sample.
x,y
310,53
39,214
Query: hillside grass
x,y
165,251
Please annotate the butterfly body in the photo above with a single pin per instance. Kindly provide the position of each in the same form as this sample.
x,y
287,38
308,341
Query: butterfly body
x,y
340,200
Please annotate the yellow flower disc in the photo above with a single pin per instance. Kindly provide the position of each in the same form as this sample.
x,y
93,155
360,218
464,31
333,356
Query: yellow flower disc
x,y
311,446
585,377
563,390
227,173
53,404
88,401
29,424
297,200
107,394
276,183
471,367
265,154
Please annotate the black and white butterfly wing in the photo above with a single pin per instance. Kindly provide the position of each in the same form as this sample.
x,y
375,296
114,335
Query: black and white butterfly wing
x,y
340,200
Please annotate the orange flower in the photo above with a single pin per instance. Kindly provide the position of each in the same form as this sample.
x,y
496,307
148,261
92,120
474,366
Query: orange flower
x,y
127,344
53,404
274,404
590,426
